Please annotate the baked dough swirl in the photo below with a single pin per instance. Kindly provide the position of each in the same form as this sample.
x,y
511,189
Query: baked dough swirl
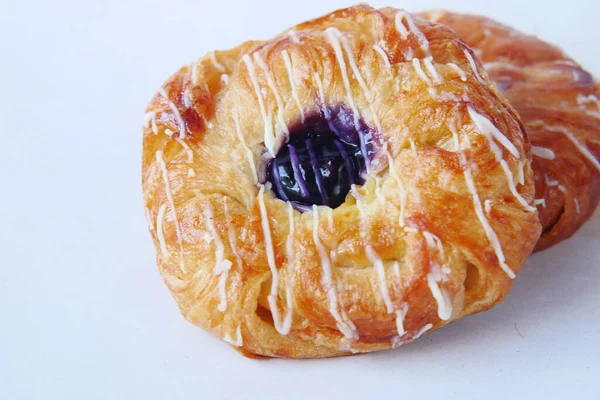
x,y
437,220
558,103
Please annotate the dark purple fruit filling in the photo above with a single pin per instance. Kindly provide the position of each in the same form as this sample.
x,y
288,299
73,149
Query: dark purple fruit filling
x,y
322,159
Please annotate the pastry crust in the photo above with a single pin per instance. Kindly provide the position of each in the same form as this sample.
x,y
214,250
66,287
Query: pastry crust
x,y
558,102
438,230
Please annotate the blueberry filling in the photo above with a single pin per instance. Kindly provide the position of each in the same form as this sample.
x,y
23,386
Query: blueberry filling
x,y
322,159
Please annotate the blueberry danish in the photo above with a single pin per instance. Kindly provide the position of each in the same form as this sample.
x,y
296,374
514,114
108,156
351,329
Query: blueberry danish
x,y
345,187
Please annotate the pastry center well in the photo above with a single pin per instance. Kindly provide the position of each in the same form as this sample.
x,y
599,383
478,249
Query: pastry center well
x,y
324,156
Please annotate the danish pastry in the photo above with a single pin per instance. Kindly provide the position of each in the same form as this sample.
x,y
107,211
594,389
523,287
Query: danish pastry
x,y
344,187
558,102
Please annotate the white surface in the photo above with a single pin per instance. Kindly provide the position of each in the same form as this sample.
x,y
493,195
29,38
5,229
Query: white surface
x,y
84,314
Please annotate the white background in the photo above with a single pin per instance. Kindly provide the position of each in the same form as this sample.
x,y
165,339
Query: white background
x,y
83,311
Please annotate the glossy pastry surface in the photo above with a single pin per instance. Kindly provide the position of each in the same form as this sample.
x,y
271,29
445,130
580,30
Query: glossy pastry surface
x,y
558,103
344,187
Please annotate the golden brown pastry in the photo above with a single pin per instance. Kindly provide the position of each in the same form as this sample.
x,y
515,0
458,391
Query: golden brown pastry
x,y
345,187
558,102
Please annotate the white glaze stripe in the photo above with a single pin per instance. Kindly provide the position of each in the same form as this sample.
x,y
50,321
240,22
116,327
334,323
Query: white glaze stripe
x,y
344,325
489,231
290,71
247,150
181,123
459,71
383,55
542,152
580,146
322,95
188,150
513,189
374,258
269,137
215,63
283,327
335,43
159,231
473,65
275,92
403,194
222,265
412,27
165,175
437,78
489,130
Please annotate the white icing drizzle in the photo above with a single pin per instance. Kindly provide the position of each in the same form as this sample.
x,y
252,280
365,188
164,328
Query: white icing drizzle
x,y
422,331
383,55
395,175
543,152
354,192
331,227
487,204
159,231
357,75
269,136
345,326
410,229
294,36
273,87
165,175
583,100
191,173
290,71
473,65
489,130
580,146
339,55
417,65
435,275
489,231
541,202
247,150
149,116
188,150
224,79
459,71
238,342
169,132
551,183
374,258
322,95
562,189
577,207
521,172
215,63
222,264
412,27
283,327
513,189
396,267
437,78
194,68
180,121
231,234
148,218
400,315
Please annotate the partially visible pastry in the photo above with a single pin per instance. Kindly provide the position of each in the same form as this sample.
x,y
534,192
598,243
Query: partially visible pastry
x,y
558,102
344,187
